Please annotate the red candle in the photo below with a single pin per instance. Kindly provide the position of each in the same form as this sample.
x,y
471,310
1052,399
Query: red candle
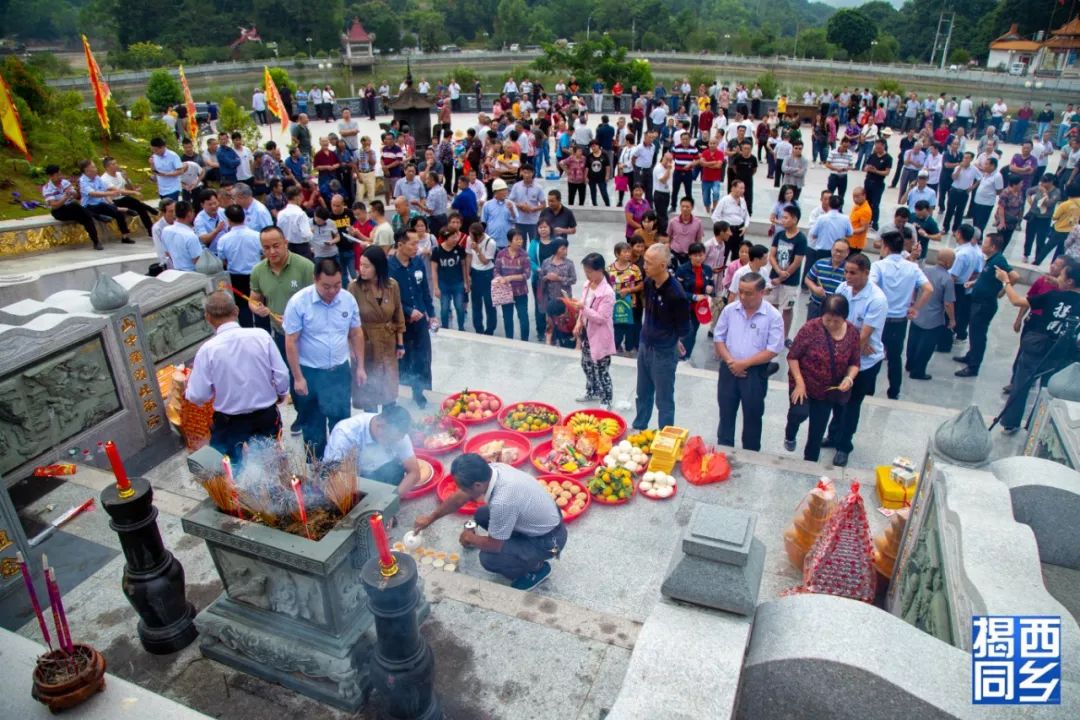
x,y
123,485
382,543
300,504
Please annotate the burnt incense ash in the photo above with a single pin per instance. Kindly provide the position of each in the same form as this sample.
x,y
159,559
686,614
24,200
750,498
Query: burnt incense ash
x,y
286,490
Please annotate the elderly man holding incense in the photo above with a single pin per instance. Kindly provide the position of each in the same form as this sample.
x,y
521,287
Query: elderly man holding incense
x,y
244,373
381,445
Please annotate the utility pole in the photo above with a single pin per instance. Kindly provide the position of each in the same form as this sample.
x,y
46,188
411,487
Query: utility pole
x,y
943,37
948,39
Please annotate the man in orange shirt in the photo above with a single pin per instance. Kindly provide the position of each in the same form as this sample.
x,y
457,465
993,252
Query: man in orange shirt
x,y
861,215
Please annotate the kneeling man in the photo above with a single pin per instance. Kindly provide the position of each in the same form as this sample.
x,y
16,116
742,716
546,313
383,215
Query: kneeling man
x,y
524,526
382,446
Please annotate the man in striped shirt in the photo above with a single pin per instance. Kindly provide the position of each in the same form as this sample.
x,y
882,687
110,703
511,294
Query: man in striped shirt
x,y
524,526
839,162
825,276
685,155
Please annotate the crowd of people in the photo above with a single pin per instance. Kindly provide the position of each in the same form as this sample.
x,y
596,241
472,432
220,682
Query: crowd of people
x,y
466,220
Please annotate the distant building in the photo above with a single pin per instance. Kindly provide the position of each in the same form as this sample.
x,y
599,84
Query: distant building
x,y
1012,48
1061,51
357,46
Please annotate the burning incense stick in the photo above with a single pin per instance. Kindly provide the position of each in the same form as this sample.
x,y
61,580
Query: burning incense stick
x,y
226,465
33,598
300,505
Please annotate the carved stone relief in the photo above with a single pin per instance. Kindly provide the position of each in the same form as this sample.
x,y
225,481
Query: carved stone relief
x,y
175,327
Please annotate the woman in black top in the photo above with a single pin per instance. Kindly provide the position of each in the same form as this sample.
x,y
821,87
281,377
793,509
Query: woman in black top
x,y
599,172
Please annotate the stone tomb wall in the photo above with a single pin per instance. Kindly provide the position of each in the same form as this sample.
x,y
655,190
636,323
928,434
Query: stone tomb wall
x,y
71,377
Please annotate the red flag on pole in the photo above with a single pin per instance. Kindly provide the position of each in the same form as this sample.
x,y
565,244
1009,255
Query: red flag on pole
x,y
9,120
273,100
192,122
98,85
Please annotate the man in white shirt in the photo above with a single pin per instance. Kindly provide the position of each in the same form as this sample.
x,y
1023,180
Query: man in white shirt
x,y
732,209
244,173
167,210
381,446
781,152
455,96
963,113
295,224
997,114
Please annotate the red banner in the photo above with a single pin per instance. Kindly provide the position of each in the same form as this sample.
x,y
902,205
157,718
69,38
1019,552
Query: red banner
x,y
98,85
9,120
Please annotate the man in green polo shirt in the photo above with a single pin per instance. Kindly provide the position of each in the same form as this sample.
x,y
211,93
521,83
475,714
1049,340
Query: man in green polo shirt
x,y
275,279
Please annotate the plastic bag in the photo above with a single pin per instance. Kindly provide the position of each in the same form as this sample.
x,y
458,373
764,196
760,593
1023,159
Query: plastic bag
x,y
700,466
841,562
810,517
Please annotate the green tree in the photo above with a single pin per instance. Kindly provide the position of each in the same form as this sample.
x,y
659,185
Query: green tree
x,y
381,21
852,31
146,55
163,90
769,87
959,56
588,60
281,78
886,49
26,83
813,43
511,20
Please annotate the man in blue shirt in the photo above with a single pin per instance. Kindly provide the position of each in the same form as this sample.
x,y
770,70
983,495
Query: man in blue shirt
x,y
900,279
166,169
748,335
97,197
181,244
256,216
921,191
528,200
965,268
826,230
464,203
228,161
322,330
210,223
867,311
240,249
825,276
498,214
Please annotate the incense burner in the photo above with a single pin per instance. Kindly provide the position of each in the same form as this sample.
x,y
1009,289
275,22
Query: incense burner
x,y
293,610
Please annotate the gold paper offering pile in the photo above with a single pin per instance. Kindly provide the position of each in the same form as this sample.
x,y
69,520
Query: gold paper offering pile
x,y
810,517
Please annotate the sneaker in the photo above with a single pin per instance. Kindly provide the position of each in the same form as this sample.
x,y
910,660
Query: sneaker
x,y
295,428
529,581
789,445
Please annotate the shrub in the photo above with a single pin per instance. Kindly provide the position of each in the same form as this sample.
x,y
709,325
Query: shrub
x,y
163,90
140,109
889,85
25,82
769,87
465,76
697,76
281,78
232,118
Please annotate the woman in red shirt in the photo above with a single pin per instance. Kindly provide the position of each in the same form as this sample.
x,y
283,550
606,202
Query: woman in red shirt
x,y
822,364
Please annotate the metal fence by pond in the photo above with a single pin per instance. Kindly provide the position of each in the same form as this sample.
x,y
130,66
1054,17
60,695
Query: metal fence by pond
x,y
1038,86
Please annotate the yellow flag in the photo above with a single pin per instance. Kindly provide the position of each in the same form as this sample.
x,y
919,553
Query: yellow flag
x,y
273,100
9,120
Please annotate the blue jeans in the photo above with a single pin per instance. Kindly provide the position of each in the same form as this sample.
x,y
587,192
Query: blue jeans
x,y
347,260
481,301
452,294
528,232
656,380
1043,127
710,192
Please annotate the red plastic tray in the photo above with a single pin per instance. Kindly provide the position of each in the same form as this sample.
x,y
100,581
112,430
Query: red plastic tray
x,y
507,436
600,414
545,479
418,439
543,449
447,487
633,491
505,412
449,401
674,492
436,476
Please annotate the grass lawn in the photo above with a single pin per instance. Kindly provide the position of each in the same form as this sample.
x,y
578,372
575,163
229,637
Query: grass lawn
x,y
13,177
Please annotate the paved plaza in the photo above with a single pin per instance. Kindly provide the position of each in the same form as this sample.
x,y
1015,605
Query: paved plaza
x,y
564,650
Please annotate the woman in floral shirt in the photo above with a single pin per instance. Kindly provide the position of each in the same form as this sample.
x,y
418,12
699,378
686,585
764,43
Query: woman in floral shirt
x,y
822,364
576,171
512,267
